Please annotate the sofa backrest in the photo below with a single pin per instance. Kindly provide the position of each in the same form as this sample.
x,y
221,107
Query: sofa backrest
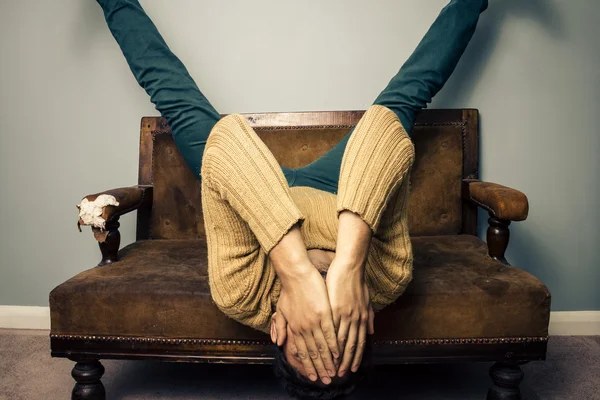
x,y
446,145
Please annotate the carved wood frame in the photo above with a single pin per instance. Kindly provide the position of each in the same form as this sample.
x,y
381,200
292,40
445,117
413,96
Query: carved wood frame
x,y
466,119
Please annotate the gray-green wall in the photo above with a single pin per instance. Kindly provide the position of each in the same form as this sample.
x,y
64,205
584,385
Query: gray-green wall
x,y
70,112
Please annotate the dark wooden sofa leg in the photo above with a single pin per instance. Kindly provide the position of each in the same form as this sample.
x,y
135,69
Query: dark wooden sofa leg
x,y
506,377
498,235
87,374
109,242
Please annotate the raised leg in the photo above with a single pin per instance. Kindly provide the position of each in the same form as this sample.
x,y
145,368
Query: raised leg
x,y
421,77
163,76
506,377
87,374
426,71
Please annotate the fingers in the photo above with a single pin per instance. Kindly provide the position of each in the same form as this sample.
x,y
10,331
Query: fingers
x,y
291,342
324,353
342,335
371,320
290,335
309,368
314,357
273,334
360,346
349,349
330,338
280,329
336,320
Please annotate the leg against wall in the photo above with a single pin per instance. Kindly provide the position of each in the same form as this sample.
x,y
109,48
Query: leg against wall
x,y
506,377
87,374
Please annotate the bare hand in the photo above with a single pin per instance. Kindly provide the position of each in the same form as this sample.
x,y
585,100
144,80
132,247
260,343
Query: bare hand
x,y
352,311
304,307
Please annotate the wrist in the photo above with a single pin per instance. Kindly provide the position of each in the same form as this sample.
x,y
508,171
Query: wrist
x,y
290,257
290,268
291,277
350,264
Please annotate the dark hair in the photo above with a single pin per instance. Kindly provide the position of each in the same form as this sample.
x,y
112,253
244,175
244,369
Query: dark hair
x,y
300,387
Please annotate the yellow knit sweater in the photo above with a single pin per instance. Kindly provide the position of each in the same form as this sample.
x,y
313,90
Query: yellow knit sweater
x,y
248,207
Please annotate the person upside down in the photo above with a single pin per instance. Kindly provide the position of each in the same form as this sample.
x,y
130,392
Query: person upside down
x,y
306,254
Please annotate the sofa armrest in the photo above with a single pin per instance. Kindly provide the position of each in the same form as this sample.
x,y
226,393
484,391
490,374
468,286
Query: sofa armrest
x,y
98,209
500,201
102,211
504,205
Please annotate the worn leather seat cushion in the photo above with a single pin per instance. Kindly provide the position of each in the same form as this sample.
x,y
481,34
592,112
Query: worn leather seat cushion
x,y
160,289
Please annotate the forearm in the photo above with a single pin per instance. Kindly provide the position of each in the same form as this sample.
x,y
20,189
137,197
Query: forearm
x,y
353,241
429,67
376,161
290,257
348,291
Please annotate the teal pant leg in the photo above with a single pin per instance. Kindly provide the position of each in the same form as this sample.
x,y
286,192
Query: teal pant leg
x,y
163,76
420,78
166,80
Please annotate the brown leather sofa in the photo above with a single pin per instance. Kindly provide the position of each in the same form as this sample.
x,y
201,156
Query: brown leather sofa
x,y
151,299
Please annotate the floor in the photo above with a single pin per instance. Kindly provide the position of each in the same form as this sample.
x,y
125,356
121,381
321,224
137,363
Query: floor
x,y
572,371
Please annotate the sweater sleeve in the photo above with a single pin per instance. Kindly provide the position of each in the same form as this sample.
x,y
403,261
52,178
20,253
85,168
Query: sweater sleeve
x,y
375,161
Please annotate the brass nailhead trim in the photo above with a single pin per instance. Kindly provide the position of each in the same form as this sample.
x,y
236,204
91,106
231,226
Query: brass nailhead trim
x,y
462,341
159,340
461,123
273,128
293,127
286,128
283,128
217,342
213,342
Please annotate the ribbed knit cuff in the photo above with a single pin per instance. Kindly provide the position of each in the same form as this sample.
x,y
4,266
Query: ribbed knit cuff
x,y
240,167
376,159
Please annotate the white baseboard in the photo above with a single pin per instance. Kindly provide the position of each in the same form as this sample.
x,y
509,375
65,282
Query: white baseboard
x,y
24,317
562,323
566,323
